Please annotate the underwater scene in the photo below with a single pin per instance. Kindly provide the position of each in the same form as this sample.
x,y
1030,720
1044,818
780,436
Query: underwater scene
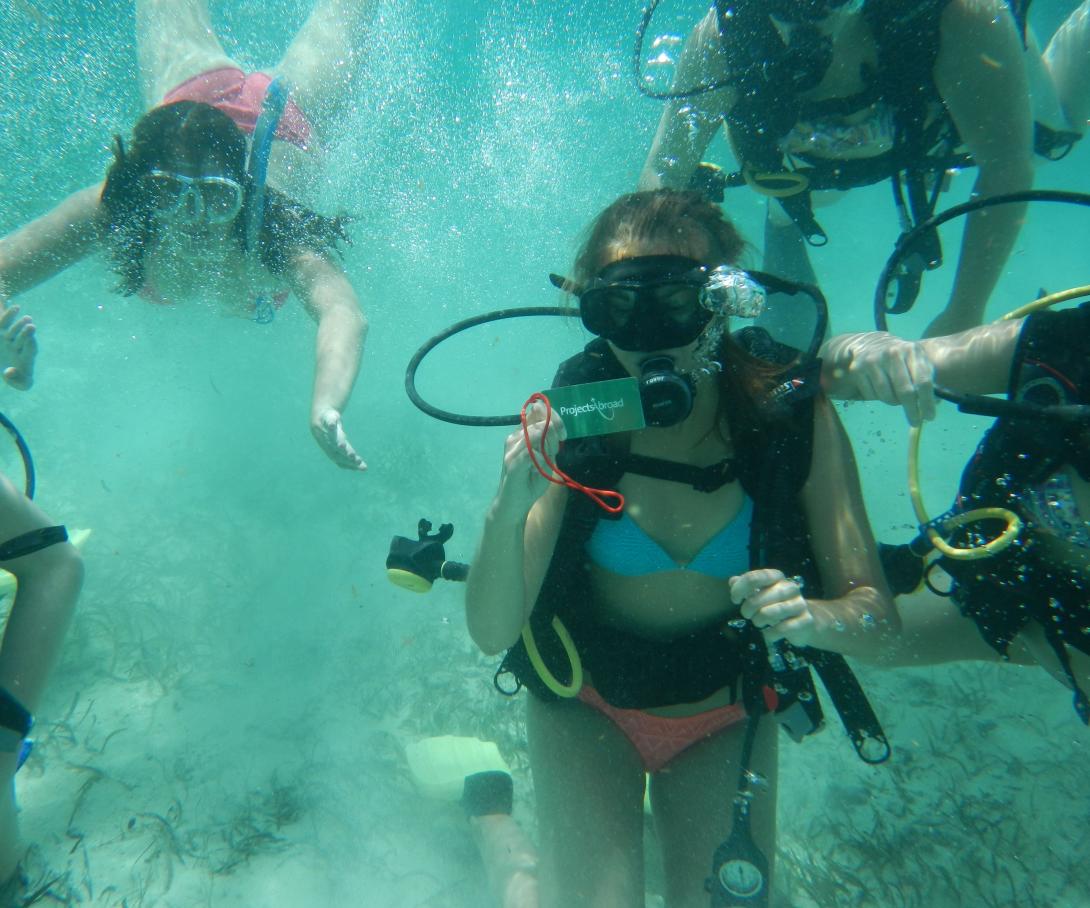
x,y
243,710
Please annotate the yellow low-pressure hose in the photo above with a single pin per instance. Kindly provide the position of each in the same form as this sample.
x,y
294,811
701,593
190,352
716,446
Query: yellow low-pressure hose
x,y
1044,302
550,680
988,549
1014,523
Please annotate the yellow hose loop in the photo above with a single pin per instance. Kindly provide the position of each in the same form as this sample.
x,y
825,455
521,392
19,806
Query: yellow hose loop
x,y
1014,524
1044,302
561,690
793,183
988,549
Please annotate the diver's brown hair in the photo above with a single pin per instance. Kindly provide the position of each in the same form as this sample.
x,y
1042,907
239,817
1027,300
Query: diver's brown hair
x,y
682,219
690,224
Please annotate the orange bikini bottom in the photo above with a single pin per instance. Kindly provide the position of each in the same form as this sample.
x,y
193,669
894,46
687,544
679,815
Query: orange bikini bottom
x,y
658,739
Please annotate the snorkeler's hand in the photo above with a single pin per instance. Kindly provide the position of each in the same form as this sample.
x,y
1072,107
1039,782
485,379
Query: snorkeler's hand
x,y
521,484
329,433
775,605
18,348
880,366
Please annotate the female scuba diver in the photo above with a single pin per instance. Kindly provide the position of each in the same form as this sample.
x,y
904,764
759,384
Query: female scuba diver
x,y
184,213
743,526
1030,601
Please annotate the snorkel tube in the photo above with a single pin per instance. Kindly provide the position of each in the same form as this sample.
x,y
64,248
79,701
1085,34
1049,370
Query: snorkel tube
x,y
257,168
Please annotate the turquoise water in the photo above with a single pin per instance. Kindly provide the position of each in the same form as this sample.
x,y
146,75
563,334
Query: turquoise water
x,y
227,722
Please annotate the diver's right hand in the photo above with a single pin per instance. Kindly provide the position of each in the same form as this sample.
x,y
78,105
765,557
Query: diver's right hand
x,y
521,484
18,347
877,365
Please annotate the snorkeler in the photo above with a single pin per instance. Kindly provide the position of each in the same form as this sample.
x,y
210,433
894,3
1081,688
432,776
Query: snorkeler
x,y
644,635
185,214
1030,601
832,94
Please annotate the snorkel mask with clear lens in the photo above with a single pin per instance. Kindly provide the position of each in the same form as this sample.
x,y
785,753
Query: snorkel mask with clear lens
x,y
194,201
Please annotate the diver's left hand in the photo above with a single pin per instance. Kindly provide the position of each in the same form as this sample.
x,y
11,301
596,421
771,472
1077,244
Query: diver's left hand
x,y
329,433
18,348
775,605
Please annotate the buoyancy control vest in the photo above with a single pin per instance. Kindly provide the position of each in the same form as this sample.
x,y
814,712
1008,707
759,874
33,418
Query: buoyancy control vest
x,y
631,671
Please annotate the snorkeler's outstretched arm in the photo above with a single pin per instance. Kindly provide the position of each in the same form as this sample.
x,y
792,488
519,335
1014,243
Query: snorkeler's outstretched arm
x,y
981,76
858,615
520,533
876,365
688,125
328,296
49,244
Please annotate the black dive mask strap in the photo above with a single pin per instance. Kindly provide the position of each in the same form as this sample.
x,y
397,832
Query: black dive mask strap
x,y
31,542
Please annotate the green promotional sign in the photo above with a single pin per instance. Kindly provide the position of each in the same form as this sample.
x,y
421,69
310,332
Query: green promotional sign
x,y
598,408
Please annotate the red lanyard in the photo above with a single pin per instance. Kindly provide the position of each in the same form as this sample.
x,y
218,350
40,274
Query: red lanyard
x,y
558,476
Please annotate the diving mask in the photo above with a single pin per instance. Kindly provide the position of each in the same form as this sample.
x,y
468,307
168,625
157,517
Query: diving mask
x,y
661,302
194,200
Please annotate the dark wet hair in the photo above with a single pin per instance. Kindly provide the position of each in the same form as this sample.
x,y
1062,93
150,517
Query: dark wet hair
x,y
190,132
697,228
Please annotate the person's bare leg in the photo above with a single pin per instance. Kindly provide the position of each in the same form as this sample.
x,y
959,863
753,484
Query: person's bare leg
x,y
789,319
323,61
691,802
174,43
510,860
589,783
1067,58
49,581
10,848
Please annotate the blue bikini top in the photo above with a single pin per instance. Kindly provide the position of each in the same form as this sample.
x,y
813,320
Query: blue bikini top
x,y
622,547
